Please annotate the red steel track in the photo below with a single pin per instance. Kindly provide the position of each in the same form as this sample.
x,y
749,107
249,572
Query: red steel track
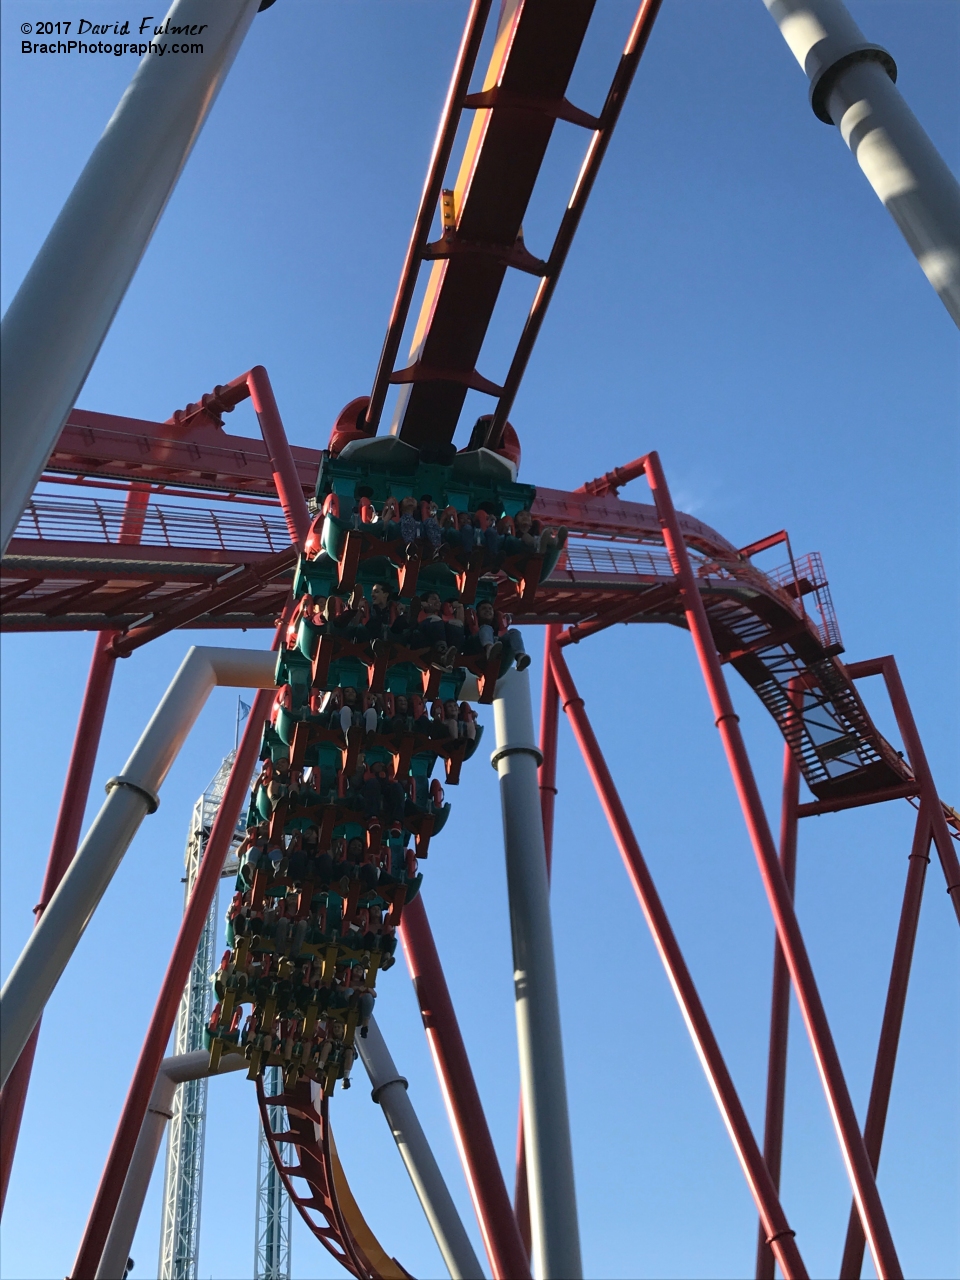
x,y
304,1152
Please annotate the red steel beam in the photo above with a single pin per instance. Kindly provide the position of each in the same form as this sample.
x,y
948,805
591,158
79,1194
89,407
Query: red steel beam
x,y
814,808
779,1006
844,1117
611,482
60,603
66,837
18,589
772,540
623,611
245,581
238,586
852,1262
192,450
171,990
887,667
535,49
778,1232
616,518
66,559
196,455
549,724
285,476
498,1225
118,485
629,61
440,157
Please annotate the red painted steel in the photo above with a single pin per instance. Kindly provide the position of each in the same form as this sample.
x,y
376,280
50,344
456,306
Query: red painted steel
x,y
102,574
611,482
887,667
239,585
549,724
62,521
498,1225
287,482
285,475
193,453
440,157
171,990
623,612
535,49
854,1152
629,61
852,1262
304,1153
815,808
779,1234
66,837
188,548
779,1008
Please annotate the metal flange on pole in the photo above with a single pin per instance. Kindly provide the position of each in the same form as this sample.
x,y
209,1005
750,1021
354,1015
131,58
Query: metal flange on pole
x,y
852,85
553,1204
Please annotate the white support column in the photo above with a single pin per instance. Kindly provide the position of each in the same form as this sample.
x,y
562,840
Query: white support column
x,y
63,310
389,1089
852,86
131,796
546,1126
173,1071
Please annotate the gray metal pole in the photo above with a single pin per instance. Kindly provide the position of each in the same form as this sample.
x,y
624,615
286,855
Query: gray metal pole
x,y
546,1126
852,86
63,310
389,1089
131,796
173,1072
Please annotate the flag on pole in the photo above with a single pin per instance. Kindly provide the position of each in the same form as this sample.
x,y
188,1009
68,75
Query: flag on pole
x,y
243,710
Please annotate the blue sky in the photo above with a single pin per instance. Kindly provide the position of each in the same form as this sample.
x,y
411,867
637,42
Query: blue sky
x,y
736,298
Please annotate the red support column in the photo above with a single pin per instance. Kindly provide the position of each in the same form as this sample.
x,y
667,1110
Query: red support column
x,y
285,476
778,1232
549,717
890,1029
66,835
779,1008
844,1117
498,1226
887,667
165,1012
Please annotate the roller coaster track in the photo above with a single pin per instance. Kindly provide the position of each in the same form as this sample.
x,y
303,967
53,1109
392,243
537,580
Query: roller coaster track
x,y
329,1210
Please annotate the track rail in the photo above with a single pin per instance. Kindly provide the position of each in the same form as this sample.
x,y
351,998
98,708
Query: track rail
x,y
329,1209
